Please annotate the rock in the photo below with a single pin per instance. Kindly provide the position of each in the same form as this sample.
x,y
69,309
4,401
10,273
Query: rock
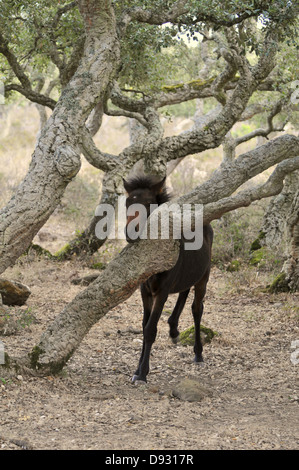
x,y
13,292
187,337
191,390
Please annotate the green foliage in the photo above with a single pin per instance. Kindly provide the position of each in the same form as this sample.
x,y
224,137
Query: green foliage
x,y
153,56
233,246
185,109
42,33
278,14
26,318
266,259
144,57
257,256
234,266
288,55
62,252
40,251
28,28
98,265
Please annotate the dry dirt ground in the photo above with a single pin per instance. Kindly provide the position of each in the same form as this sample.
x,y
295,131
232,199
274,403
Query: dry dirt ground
x,y
248,383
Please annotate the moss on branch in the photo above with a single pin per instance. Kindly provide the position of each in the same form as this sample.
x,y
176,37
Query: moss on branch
x,y
197,84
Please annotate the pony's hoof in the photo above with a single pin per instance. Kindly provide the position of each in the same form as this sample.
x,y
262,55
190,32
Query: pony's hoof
x,y
137,381
176,339
199,361
199,364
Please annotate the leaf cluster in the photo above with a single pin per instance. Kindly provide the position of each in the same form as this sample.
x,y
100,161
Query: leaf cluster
x,y
150,55
278,15
33,28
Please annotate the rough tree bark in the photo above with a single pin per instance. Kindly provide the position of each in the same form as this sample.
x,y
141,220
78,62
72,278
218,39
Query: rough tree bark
x,y
274,223
291,265
280,230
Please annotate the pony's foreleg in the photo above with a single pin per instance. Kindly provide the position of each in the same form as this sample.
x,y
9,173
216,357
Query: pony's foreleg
x,y
149,336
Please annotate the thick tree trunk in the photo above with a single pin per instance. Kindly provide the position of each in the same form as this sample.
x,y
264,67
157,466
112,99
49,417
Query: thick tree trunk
x,y
274,226
56,159
291,265
281,230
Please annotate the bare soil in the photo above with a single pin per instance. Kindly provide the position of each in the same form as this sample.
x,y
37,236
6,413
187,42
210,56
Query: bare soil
x,y
250,385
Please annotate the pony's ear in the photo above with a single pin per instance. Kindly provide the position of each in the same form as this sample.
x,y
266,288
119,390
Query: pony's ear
x,y
158,187
127,186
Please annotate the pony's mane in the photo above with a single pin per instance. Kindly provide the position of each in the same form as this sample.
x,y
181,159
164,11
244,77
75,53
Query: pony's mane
x,y
146,182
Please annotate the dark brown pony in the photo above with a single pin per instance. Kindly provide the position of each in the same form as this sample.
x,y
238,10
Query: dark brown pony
x,y
191,269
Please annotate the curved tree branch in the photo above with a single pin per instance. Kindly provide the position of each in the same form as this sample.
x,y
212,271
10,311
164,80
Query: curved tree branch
x,y
271,187
14,64
212,134
102,161
32,95
153,17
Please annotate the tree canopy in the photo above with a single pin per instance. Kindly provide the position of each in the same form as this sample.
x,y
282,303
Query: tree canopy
x,y
43,40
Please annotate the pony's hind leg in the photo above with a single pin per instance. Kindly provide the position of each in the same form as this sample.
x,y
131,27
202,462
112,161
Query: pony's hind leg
x,y
197,311
174,317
